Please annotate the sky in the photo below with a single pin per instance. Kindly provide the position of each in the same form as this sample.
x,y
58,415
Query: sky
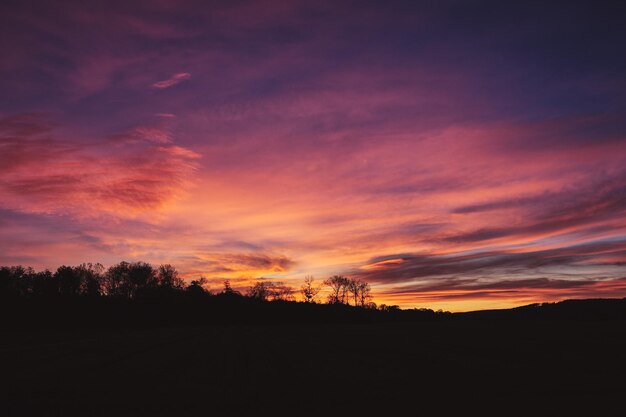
x,y
455,155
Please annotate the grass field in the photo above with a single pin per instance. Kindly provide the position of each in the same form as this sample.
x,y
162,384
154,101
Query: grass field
x,y
315,369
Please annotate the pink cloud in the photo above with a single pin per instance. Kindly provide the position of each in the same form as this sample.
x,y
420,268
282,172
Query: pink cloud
x,y
139,134
175,79
53,175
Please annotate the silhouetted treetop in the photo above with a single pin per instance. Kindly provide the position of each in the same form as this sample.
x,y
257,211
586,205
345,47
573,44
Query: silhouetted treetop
x,y
308,290
348,291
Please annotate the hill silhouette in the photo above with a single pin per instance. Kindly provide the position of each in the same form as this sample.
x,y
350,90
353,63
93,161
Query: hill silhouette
x,y
166,348
137,294
578,309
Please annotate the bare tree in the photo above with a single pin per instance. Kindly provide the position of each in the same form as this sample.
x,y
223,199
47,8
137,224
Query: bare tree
x,y
282,292
260,291
338,289
364,294
347,290
268,290
360,292
308,291
353,289
228,289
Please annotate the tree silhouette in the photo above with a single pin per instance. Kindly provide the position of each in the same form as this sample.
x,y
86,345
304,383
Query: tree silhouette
x,y
41,283
337,284
268,290
8,282
68,281
23,280
115,280
91,278
308,291
361,292
228,289
260,291
141,277
168,277
282,292
345,290
127,280
196,287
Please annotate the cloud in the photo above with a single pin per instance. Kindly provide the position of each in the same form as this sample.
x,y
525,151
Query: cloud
x,y
243,267
28,130
499,279
508,294
47,174
257,262
138,134
572,208
175,79
499,269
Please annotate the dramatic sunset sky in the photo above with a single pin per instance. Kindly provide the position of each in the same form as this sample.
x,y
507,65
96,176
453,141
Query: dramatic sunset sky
x,y
456,155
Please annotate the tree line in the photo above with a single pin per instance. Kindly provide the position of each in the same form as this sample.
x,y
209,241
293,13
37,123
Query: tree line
x,y
132,280
123,280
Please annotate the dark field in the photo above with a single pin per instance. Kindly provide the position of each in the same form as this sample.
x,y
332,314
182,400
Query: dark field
x,y
476,365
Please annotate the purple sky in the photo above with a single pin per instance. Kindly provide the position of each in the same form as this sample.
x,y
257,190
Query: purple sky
x,y
456,155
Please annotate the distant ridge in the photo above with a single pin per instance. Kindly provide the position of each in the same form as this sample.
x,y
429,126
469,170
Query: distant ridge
x,y
574,309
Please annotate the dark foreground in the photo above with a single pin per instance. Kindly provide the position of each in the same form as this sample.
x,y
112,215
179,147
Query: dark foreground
x,y
476,365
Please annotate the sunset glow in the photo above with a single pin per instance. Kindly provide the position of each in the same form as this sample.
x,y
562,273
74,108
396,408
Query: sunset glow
x,y
404,145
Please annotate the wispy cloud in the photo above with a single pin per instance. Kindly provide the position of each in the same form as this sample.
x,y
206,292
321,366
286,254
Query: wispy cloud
x,y
580,260
175,79
45,173
242,267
